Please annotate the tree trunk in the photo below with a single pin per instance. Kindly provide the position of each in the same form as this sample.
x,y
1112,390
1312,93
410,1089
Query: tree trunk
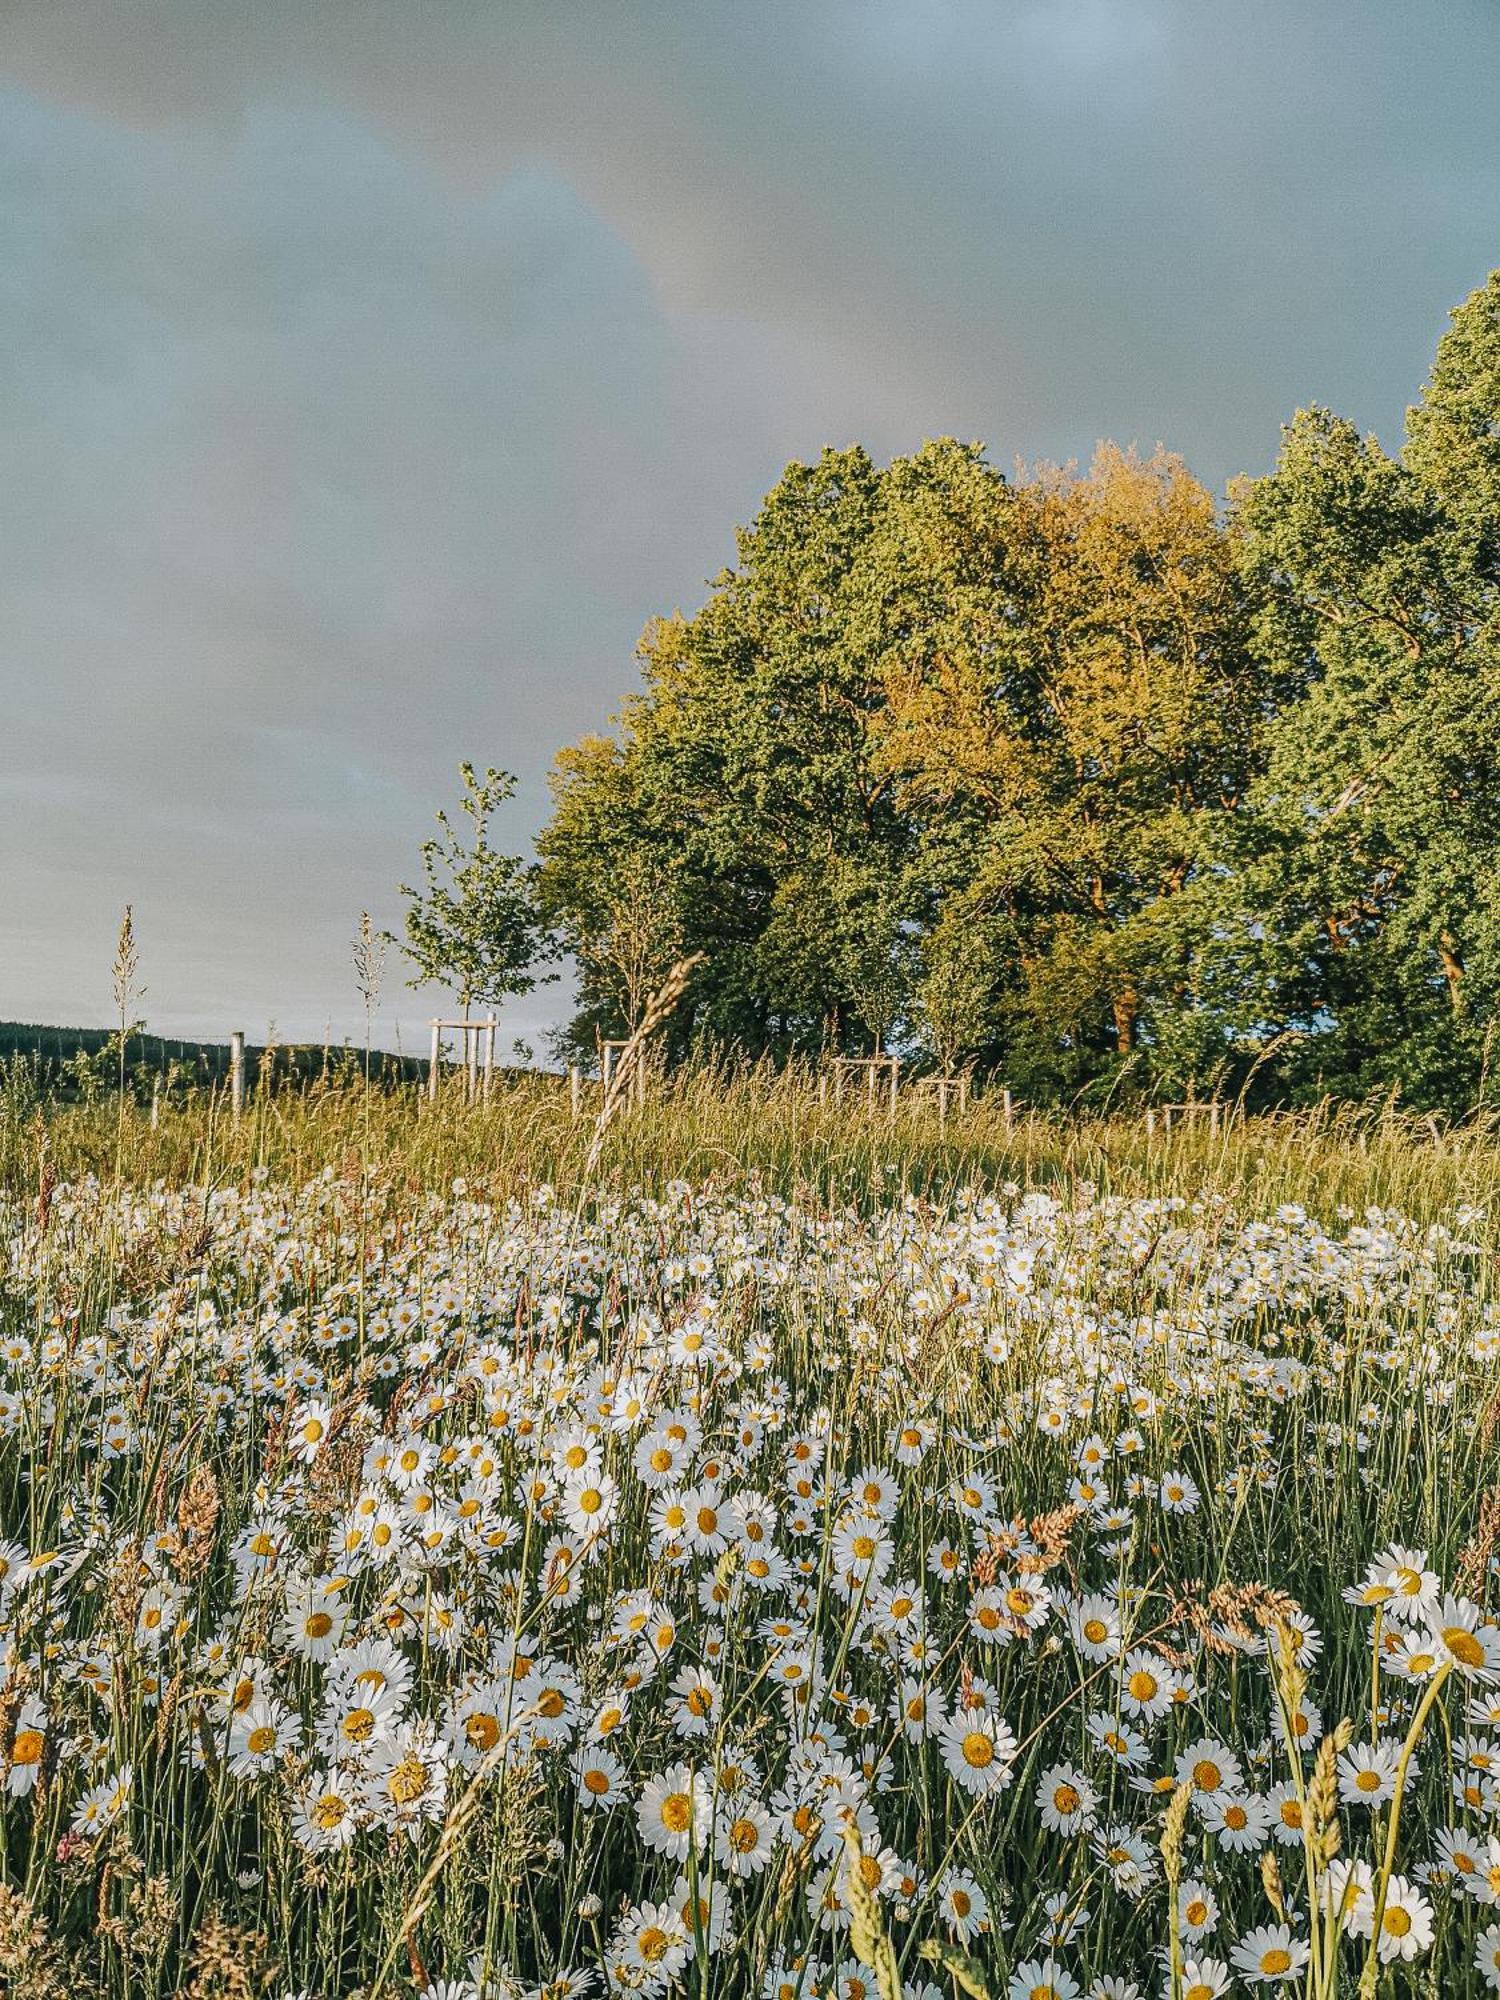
x,y
1453,969
1126,1007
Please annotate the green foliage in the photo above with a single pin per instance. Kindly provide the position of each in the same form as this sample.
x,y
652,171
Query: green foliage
x,y
474,926
1080,776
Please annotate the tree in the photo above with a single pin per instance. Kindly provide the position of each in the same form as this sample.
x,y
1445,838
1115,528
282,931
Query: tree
x,y
1366,880
474,925
1453,433
742,771
1093,711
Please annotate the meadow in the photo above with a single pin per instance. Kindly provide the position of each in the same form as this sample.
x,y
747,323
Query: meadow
x,y
756,1549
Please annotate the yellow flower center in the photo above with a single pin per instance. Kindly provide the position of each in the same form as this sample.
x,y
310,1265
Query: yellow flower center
x,y
653,1944
1463,1645
409,1779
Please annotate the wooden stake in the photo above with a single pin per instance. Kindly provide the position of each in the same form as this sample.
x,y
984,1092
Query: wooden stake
x,y
432,1063
237,1072
575,1091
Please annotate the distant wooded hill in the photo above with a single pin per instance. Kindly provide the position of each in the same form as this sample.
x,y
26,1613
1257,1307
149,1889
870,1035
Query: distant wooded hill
x,y
57,1051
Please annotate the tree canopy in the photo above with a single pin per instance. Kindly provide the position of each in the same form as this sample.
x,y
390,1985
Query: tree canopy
x,y
1078,775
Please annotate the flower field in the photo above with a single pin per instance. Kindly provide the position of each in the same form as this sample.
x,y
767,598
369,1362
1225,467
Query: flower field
x,y
719,1591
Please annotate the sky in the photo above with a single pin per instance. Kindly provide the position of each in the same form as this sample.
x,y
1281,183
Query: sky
x,y
372,370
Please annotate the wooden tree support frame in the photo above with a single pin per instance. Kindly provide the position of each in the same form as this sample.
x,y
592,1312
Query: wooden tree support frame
x,y
845,1068
610,1053
1211,1108
478,1056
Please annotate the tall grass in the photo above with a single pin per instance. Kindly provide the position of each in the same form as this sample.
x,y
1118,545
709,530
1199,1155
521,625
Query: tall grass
x,y
716,1121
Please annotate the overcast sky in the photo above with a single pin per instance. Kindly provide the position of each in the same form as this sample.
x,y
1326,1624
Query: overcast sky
x,y
371,370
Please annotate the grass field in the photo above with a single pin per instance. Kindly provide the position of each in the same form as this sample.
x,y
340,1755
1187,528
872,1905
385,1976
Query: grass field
x,y
809,1554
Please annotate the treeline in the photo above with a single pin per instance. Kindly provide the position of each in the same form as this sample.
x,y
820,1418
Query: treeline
x,y
1079,777
83,1064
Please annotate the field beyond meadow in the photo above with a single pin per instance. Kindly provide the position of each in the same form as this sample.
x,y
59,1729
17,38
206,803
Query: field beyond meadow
x,y
813,1552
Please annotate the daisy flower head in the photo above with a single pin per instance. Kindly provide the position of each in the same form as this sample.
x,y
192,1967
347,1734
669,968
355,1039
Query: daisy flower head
x,y
599,1777
325,1811
1241,1821
1210,1767
744,1838
260,1737
650,1948
27,1749
1367,1773
1405,1921
979,1750
1269,1955
1042,1979
1197,1909
1145,1685
674,1813
1094,1626
1487,1956
1204,1979
1465,1640
1066,1801
102,1804
407,1781
963,1905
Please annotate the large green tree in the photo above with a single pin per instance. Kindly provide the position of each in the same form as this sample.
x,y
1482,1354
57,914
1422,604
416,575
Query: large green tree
x,y
925,684
1363,926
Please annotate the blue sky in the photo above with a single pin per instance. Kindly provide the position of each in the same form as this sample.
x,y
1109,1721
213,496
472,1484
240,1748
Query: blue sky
x,y
371,372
